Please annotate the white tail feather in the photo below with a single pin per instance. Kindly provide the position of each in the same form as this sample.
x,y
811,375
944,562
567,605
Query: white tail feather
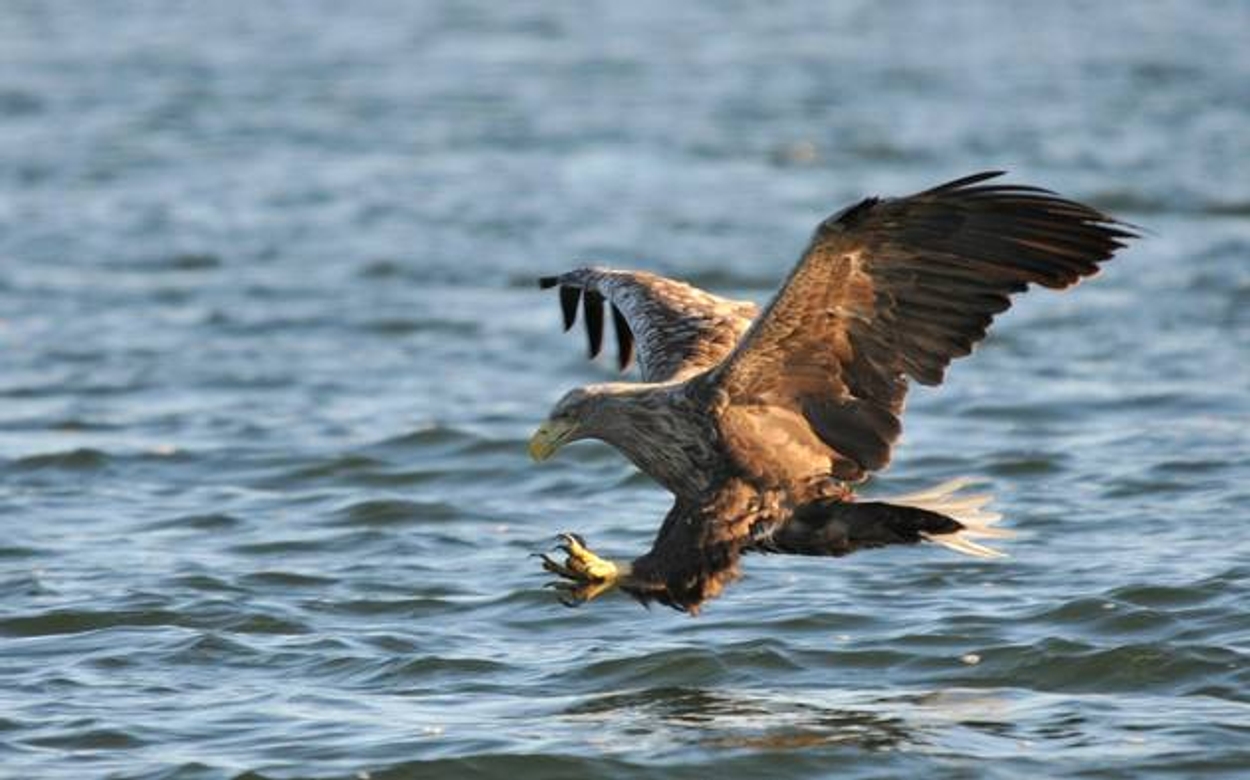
x,y
968,510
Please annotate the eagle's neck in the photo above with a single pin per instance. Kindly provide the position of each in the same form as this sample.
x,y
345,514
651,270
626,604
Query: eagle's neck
x,y
662,433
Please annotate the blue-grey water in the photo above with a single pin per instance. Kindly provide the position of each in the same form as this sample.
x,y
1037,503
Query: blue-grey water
x,y
270,351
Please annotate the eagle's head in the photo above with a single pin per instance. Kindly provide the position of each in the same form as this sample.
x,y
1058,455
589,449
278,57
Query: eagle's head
x,y
583,413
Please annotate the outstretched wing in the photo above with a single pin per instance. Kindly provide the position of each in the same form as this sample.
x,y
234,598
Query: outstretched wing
x,y
897,288
677,329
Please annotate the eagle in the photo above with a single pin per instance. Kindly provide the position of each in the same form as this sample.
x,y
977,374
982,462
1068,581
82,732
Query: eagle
x,y
761,423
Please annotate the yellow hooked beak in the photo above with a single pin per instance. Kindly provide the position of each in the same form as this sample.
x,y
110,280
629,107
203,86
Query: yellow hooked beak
x,y
550,437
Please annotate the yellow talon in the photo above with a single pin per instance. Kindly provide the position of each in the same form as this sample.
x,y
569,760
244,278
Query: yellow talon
x,y
588,576
584,562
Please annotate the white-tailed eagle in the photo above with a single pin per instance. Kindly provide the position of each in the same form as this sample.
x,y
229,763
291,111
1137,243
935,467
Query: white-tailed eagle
x,y
761,422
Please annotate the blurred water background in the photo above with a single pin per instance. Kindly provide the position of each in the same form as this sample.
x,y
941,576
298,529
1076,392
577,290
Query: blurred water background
x,y
270,350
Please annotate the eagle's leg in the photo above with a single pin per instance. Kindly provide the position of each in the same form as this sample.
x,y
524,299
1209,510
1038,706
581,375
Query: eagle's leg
x,y
583,575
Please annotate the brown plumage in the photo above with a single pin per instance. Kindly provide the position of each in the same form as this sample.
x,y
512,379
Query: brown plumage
x,y
760,423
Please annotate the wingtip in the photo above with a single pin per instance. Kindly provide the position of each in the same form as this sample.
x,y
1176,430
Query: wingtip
x,y
1119,229
965,181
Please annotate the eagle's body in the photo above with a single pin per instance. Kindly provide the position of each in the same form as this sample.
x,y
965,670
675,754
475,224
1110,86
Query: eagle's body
x,y
760,423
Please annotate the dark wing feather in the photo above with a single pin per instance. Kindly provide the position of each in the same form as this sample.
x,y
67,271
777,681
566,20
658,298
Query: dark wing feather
x,y
674,329
897,288
593,303
569,300
624,338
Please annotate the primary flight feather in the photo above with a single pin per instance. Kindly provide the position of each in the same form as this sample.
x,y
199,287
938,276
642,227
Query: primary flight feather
x,y
761,423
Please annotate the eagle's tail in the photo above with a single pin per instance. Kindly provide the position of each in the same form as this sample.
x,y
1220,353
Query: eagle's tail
x,y
967,509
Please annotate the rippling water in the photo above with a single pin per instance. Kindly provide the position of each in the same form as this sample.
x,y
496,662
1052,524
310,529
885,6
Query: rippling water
x,y
270,353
